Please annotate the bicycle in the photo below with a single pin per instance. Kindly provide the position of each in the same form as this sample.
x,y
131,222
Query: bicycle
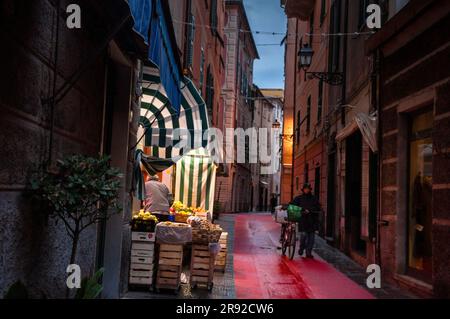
x,y
289,239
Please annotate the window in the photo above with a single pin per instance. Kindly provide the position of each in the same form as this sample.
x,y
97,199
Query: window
x,y
202,70
311,29
213,16
362,14
297,128
320,102
335,42
323,11
209,90
420,209
308,115
190,38
395,6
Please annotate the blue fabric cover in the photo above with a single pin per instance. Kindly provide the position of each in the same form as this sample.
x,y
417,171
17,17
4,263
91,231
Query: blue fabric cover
x,y
150,23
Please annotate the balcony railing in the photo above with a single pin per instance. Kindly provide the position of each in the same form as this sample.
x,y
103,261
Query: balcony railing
x,y
301,9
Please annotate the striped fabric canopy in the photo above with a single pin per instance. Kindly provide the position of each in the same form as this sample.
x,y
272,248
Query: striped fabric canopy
x,y
196,179
160,119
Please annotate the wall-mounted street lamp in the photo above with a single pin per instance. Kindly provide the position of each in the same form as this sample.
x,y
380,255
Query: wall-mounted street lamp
x,y
333,78
277,125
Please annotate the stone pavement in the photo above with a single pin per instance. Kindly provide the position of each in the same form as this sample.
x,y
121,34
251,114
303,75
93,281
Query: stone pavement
x,y
355,272
223,282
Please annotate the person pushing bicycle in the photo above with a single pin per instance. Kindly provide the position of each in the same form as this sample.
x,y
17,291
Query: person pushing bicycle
x,y
309,220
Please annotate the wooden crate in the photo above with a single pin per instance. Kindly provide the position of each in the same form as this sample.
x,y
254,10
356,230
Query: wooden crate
x,y
141,236
142,259
221,260
202,266
170,262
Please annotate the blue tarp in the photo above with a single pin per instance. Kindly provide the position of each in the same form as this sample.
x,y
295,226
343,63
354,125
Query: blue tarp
x,y
151,24
141,11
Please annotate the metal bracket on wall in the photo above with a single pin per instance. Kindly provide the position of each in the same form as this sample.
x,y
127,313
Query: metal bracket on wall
x,y
383,223
332,78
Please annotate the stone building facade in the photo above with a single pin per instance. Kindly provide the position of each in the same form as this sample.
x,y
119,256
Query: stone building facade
x,y
233,191
386,206
93,118
414,81
199,31
266,174
306,107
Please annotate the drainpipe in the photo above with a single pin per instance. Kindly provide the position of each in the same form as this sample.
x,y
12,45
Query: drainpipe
x,y
344,66
377,80
293,114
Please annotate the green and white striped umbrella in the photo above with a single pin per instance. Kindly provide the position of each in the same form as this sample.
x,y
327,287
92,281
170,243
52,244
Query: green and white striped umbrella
x,y
196,180
160,119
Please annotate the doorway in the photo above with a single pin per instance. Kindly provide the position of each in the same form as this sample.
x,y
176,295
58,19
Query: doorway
x,y
353,185
116,139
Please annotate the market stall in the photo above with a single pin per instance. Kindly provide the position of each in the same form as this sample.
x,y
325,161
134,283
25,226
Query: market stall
x,y
158,248
195,180
188,239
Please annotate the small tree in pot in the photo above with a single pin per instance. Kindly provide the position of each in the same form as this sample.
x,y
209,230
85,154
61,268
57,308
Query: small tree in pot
x,y
83,191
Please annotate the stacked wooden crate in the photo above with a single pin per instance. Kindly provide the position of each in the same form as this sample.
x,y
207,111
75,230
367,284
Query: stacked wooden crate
x,y
169,266
221,259
142,258
202,266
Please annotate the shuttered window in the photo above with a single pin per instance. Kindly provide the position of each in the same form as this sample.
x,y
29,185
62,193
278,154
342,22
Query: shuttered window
x,y
209,90
190,38
202,70
335,42
213,16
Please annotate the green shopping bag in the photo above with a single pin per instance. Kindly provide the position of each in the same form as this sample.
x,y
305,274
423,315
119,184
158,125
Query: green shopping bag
x,y
294,213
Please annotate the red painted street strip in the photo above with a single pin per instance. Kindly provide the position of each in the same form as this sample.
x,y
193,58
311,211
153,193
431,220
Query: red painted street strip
x,y
261,272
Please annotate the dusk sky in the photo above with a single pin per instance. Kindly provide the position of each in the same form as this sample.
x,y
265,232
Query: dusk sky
x,y
267,15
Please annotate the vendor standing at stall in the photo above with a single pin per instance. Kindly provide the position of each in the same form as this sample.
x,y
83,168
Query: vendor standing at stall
x,y
157,198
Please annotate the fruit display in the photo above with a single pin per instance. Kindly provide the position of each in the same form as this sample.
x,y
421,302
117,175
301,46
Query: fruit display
x,y
183,212
143,222
179,207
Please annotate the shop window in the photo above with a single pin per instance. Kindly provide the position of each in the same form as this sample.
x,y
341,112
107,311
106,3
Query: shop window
x,y
420,196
